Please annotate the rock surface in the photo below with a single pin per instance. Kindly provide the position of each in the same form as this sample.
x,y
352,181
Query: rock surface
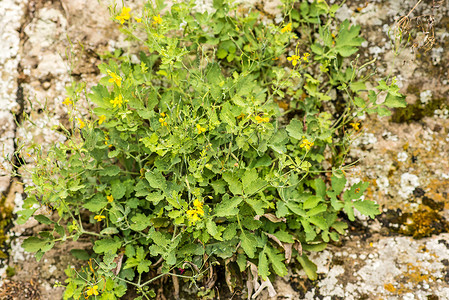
x,y
403,254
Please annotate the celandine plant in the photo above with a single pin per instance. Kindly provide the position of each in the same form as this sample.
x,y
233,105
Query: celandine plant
x,y
211,150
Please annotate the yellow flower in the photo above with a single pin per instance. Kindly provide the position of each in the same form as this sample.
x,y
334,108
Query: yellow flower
x,y
197,203
82,124
259,119
294,59
200,129
138,20
304,57
157,20
162,121
200,211
92,291
118,101
287,28
99,218
101,119
192,214
106,139
115,78
67,101
124,15
306,144
110,198
162,114
355,126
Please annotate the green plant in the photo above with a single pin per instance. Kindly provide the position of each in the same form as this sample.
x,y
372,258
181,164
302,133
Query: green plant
x,y
187,160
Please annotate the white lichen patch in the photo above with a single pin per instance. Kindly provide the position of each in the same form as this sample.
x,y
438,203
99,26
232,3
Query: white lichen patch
x,y
45,29
366,139
408,184
425,96
394,268
11,13
402,156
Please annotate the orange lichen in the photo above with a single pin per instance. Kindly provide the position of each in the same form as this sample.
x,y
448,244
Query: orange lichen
x,y
423,223
389,287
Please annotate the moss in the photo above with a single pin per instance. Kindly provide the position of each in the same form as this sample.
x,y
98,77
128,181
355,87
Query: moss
x,y
423,223
10,271
417,111
5,220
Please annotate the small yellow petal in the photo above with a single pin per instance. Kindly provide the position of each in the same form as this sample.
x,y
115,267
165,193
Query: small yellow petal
x,y
101,119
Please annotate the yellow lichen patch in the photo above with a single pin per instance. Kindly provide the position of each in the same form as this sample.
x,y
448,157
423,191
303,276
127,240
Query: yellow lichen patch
x,y
436,189
423,223
389,287
414,275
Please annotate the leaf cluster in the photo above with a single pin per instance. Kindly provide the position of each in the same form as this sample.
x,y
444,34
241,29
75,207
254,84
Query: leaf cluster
x,y
189,160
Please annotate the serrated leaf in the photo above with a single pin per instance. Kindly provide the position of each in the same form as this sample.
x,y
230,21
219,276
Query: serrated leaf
x,y
311,202
191,249
340,227
284,237
43,219
140,222
110,171
144,266
222,53
118,189
107,245
97,203
308,266
317,209
356,191
348,39
357,86
212,229
251,182
155,197
159,238
383,111
257,204
228,207
394,101
80,254
277,261
338,184
367,207
100,95
317,49
60,230
294,207
348,208
295,129
263,268
248,243
235,186
230,231
359,102
241,261
314,247
156,180
251,224
320,188
34,244
319,221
